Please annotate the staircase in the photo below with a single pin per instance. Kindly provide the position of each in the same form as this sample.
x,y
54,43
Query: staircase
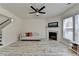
x,y
2,25
0,39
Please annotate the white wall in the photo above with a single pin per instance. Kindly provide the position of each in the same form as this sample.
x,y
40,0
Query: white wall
x,y
35,25
72,11
10,32
55,29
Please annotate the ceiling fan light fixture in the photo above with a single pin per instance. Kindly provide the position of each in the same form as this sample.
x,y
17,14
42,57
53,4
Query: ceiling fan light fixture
x,y
37,13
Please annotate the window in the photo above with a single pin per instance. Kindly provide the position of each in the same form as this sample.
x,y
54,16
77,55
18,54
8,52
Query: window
x,y
77,28
68,25
68,28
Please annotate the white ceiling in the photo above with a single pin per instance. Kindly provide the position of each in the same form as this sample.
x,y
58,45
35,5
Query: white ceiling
x,y
22,9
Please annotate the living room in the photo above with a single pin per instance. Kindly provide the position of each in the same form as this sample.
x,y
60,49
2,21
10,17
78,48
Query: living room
x,y
25,28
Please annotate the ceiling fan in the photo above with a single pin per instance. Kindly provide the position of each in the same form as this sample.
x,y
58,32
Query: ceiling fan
x,y
37,11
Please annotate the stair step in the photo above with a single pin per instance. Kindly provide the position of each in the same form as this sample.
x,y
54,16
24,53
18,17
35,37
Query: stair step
x,y
0,34
0,37
1,44
0,40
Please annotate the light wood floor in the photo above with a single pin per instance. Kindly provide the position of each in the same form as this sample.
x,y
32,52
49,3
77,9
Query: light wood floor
x,y
36,48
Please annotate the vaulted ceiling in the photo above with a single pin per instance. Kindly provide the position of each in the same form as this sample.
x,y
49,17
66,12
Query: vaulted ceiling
x,y
22,9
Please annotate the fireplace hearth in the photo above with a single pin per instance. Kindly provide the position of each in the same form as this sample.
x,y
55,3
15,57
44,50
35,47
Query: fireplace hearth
x,y
52,36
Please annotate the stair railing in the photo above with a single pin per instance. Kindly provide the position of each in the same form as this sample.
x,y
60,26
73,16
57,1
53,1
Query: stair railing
x,y
4,22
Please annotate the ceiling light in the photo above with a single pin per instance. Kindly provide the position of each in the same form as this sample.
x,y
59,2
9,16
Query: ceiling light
x,y
12,20
37,13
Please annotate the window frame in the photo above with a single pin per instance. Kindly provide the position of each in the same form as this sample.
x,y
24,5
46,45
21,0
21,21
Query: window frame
x,y
73,27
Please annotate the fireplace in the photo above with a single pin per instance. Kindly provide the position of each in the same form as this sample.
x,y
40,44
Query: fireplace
x,y
52,36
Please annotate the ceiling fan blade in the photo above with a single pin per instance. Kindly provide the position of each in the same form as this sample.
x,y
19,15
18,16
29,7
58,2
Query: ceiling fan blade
x,y
42,12
41,8
33,8
31,12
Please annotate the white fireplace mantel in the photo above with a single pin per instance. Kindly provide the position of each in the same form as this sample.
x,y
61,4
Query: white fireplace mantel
x,y
54,30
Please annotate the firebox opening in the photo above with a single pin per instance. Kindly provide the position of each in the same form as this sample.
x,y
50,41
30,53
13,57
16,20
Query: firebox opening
x,y
52,36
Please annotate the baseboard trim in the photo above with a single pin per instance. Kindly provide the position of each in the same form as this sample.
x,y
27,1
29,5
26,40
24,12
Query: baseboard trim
x,y
30,40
